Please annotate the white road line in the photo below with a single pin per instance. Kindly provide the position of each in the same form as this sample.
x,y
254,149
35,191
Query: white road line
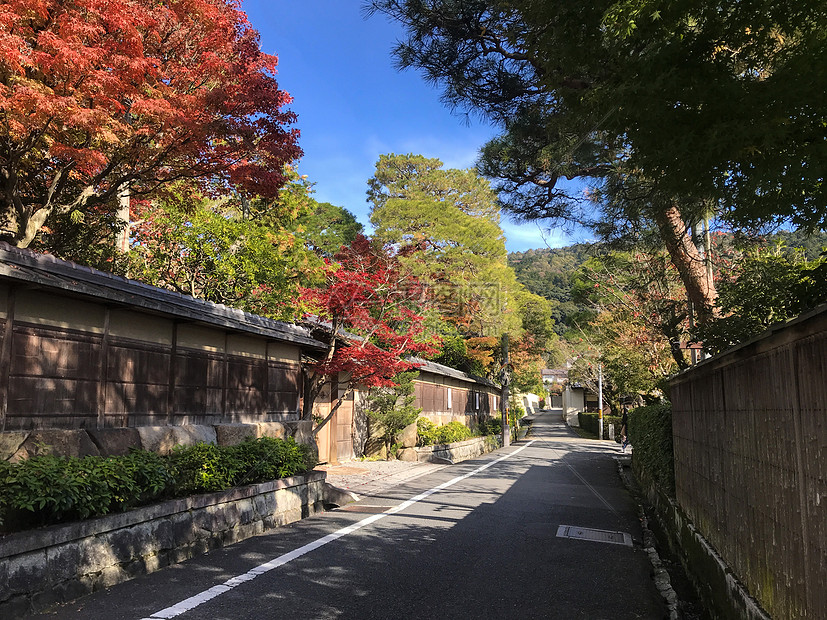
x,y
207,595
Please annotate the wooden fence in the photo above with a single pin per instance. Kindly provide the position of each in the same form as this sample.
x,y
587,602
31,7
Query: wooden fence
x,y
750,441
81,349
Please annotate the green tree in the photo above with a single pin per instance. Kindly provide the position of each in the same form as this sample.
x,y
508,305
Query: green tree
x,y
391,408
326,227
704,97
229,251
548,272
452,218
768,285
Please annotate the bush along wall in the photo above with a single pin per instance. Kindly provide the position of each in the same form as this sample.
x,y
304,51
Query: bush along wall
x,y
44,490
591,422
650,433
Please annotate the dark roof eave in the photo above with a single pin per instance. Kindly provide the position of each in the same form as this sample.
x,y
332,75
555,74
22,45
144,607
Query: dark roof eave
x,y
28,267
447,371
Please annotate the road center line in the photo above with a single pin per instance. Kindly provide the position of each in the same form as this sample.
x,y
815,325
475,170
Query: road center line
x,y
217,590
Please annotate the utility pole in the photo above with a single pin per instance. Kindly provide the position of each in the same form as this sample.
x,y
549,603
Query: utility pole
x,y
504,395
600,401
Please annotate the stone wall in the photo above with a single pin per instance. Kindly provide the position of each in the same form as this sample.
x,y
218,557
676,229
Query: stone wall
x,y
718,588
453,452
63,562
15,445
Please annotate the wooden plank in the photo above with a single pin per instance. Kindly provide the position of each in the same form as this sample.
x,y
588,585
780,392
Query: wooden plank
x,y
5,356
103,367
173,366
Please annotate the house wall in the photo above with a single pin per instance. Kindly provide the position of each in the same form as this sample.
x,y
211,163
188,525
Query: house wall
x,y
574,401
470,401
345,437
529,402
750,445
66,363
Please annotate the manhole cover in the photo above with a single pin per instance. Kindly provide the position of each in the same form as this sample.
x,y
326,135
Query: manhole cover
x,y
585,533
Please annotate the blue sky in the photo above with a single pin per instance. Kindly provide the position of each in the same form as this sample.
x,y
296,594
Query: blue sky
x,y
353,105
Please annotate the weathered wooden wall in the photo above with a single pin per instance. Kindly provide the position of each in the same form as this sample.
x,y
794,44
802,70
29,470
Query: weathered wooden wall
x,y
750,442
468,401
67,363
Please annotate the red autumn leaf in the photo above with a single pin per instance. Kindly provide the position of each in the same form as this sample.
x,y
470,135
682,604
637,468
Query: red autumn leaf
x,y
97,95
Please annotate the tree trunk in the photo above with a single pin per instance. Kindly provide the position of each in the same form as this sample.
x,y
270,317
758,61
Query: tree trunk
x,y
691,266
333,409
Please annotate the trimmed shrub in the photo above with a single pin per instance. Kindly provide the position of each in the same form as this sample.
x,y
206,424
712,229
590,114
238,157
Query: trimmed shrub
x,y
50,489
490,426
429,434
650,432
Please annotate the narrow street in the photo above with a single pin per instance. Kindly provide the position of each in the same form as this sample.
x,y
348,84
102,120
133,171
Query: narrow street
x,y
481,539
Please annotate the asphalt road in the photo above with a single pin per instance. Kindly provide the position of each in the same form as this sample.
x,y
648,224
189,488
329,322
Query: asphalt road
x,y
475,540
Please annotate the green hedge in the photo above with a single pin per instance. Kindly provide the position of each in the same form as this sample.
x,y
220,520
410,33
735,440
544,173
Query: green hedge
x,y
490,426
650,432
429,434
51,489
590,422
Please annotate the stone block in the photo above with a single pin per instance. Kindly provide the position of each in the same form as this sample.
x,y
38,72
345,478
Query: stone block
x,y
286,500
115,441
193,434
62,562
180,554
16,607
57,441
246,511
304,435
184,530
11,442
160,439
163,534
271,429
95,555
138,567
46,598
338,497
407,454
406,438
25,570
72,589
234,434
113,575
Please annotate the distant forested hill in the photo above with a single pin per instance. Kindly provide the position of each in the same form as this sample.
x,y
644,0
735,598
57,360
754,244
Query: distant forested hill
x,y
811,244
547,272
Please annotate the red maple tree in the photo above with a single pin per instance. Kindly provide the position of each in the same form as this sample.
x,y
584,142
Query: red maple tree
x,y
368,310
101,97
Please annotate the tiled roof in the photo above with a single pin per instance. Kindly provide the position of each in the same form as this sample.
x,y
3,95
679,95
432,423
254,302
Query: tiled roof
x,y
446,371
46,271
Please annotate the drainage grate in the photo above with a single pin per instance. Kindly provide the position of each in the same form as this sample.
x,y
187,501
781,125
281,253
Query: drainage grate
x,y
585,533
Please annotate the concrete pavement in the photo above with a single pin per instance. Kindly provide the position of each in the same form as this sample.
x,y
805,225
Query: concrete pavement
x,y
366,478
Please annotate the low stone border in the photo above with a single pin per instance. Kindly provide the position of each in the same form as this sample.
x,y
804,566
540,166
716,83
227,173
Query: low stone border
x,y
716,584
453,452
60,563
